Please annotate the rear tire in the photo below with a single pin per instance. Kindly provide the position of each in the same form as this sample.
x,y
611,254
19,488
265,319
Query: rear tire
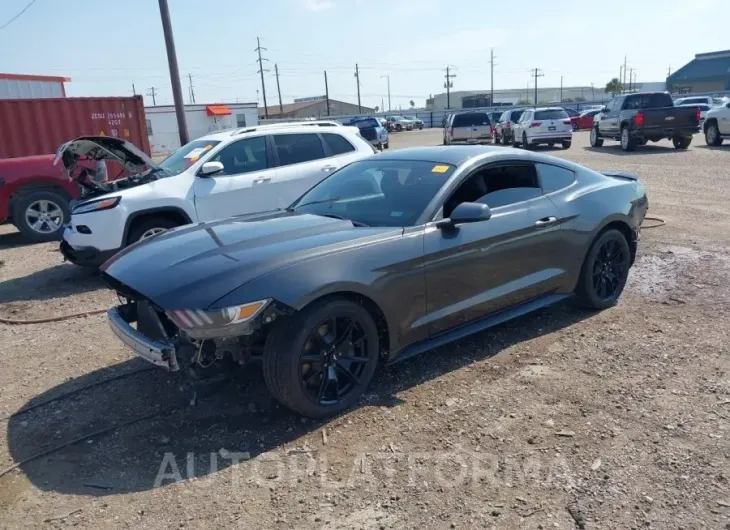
x,y
149,227
712,135
681,142
505,140
628,143
551,144
604,272
596,140
566,145
41,215
386,145
290,344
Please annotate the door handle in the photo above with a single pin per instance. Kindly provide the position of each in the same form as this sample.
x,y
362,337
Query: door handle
x,y
261,180
546,221
327,169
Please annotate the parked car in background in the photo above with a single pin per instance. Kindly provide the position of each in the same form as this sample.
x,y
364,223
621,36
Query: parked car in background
x,y
503,128
572,113
468,127
373,131
323,292
417,122
445,120
494,116
584,120
717,124
549,125
712,101
634,119
400,123
219,175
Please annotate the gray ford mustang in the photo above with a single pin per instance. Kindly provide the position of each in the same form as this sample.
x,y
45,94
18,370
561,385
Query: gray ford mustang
x,y
386,258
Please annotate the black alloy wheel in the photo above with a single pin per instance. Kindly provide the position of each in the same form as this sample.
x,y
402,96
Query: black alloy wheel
x,y
319,361
605,271
333,360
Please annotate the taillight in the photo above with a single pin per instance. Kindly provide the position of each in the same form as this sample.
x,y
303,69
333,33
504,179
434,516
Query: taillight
x,y
507,125
639,119
535,124
491,130
698,115
567,121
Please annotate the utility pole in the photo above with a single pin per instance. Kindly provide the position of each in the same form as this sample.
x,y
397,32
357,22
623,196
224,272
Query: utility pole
x,y
327,92
152,92
593,92
134,90
491,76
624,78
669,71
388,78
357,77
561,88
448,85
177,96
191,88
261,71
537,74
278,89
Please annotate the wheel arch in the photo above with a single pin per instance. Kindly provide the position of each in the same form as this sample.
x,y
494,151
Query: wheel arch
x,y
625,228
708,121
170,212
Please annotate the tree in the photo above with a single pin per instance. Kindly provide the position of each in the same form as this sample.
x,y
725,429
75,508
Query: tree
x,y
376,109
567,100
580,98
614,86
523,101
413,103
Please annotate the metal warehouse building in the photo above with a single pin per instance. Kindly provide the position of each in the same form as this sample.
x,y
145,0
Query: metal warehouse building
x,y
312,107
707,72
201,119
22,86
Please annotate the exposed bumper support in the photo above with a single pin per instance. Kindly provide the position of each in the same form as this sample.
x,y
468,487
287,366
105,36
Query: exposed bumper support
x,y
160,353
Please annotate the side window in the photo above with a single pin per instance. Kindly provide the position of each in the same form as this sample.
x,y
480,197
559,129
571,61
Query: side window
x,y
240,120
618,104
298,148
554,178
337,144
243,156
496,187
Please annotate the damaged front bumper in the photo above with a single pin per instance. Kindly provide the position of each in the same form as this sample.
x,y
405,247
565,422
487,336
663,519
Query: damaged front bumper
x,y
159,352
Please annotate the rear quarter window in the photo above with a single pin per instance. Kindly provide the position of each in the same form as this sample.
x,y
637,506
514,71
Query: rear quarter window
x,y
554,178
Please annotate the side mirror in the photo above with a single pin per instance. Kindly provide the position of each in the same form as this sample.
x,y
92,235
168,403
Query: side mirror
x,y
210,168
467,212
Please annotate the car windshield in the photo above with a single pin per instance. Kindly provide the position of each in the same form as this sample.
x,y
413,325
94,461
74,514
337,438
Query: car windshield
x,y
187,155
376,192
551,114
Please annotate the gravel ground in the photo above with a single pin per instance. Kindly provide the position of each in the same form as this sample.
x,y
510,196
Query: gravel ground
x,y
561,419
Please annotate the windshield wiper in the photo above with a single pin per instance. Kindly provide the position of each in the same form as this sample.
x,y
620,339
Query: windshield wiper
x,y
317,202
335,216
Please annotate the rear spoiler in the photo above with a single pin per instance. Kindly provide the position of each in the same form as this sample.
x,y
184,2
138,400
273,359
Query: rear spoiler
x,y
620,175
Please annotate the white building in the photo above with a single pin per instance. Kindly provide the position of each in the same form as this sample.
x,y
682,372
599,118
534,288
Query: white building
x,y
201,120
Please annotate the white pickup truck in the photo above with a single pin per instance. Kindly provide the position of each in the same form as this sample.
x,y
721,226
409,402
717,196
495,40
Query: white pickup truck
x,y
717,124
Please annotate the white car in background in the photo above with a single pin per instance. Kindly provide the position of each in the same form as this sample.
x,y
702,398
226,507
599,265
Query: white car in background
x,y
224,174
717,124
703,110
548,125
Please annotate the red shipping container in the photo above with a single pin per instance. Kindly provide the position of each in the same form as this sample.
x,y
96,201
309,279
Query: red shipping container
x,y
39,126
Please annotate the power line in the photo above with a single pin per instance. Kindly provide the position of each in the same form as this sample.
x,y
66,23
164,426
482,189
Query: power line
x,y
16,17
537,73
261,71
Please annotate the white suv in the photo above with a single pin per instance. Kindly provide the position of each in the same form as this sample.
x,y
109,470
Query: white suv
x,y
220,175
548,125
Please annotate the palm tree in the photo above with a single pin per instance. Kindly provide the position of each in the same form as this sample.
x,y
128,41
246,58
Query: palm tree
x,y
413,103
614,86
376,109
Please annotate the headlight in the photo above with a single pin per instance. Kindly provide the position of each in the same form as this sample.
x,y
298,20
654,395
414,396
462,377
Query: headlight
x,y
96,206
218,323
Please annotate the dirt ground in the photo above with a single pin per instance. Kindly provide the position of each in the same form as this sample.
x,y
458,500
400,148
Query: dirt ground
x,y
561,419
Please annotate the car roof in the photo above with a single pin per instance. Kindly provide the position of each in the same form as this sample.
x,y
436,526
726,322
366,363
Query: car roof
x,y
548,108
228,134
452,154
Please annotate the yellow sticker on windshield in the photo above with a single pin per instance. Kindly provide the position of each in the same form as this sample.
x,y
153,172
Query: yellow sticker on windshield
x,y
439,169
207,147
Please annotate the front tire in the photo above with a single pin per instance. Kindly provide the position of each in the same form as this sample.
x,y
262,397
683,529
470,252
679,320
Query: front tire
x,y
150,227
605,270
41,215
712,135
681,142
596,141
319,361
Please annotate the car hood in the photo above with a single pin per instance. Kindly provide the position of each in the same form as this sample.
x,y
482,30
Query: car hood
x,y
103,148
193,266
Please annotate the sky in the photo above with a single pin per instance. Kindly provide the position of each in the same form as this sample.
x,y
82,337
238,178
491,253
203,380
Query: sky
x,y
106,46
